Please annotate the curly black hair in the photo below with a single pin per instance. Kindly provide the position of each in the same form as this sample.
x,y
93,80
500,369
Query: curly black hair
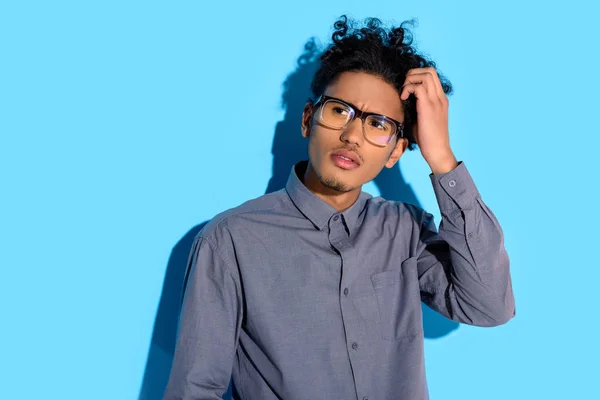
x,y
386,53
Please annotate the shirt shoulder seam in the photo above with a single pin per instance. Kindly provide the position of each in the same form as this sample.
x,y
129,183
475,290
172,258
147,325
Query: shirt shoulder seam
x,y
216,249
223,220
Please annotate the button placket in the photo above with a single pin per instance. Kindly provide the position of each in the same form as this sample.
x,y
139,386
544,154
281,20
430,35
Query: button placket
x,y
337,233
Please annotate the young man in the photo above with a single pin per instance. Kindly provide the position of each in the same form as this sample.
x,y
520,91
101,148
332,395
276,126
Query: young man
x,y
314,291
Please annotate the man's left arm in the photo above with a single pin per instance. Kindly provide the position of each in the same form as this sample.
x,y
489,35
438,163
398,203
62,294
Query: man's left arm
x,y
464,269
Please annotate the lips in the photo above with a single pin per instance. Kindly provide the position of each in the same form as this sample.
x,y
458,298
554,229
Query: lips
x,y
346,159
346,154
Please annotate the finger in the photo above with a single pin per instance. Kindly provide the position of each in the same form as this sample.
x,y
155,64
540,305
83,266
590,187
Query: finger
x,y
421,79
436,82
425,80
431,75
431,81
418,89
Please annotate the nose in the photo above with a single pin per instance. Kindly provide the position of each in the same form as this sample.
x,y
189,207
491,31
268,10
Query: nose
x,y
353,132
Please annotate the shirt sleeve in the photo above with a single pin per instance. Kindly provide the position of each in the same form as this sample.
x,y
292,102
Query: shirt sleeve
x,y
464,269
209,326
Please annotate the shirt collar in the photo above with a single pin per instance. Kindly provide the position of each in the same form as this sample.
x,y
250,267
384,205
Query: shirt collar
x,y
317,210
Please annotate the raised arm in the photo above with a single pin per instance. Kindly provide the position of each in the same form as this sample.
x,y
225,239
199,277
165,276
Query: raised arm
x,y
464,269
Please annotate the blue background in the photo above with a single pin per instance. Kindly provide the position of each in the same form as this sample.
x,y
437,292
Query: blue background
x,y
118,142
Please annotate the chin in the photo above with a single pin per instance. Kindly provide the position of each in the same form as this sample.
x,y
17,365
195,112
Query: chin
x,y
337,181
336,178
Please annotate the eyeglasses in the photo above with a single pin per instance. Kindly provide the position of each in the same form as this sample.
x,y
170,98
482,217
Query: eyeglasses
x,y
377,129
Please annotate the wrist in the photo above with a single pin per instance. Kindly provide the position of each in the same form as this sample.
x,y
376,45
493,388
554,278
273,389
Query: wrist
x,y
444,164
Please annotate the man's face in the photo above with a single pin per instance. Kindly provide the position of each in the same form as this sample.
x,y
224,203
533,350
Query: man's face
x,y
368,93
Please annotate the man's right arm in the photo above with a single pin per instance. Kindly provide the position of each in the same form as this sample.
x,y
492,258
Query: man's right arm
x,y
209,326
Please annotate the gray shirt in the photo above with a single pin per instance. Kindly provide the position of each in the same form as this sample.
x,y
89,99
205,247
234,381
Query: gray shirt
x,y
296,300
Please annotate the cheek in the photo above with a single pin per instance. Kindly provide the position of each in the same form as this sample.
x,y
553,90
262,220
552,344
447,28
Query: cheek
x,y
315,152
319,142
375,162
378,157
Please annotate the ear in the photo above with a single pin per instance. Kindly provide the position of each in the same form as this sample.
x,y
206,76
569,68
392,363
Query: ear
x,y
307,115
399,149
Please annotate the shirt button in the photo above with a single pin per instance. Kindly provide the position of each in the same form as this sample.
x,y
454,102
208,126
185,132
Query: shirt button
x,y
365,398
346,291
470,235
452,183
355,345
336,217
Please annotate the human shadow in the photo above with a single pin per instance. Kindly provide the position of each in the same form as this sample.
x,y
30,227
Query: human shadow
x,y
288,148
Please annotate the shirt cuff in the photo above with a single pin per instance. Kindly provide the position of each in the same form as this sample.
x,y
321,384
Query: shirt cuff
x,y
455,189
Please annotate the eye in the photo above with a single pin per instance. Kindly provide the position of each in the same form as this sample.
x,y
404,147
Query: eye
x,y
377,124
340,111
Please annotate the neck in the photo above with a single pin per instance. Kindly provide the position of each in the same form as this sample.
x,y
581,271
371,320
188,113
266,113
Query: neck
x,y
340,200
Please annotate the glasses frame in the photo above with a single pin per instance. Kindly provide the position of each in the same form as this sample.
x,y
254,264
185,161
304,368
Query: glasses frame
x,y
358,113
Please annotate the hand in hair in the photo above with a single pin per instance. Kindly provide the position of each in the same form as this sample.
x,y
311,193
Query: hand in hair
x,y
431,126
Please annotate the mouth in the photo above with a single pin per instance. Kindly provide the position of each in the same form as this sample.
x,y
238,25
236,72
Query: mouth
x,y
346,159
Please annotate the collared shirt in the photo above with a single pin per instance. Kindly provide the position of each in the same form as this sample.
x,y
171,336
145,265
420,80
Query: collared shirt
x,y
295,300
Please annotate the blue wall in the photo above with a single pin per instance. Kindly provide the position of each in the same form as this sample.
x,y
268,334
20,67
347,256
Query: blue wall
x,y
117,142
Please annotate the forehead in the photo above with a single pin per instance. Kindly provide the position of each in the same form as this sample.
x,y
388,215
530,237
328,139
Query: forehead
x,y
367,92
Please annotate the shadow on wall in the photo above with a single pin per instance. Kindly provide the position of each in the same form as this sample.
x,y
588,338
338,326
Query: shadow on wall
x,y
288,147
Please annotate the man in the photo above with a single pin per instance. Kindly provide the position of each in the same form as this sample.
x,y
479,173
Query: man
x,y
314,291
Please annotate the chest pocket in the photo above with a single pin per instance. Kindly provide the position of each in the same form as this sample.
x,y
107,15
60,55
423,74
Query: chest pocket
x,y
399,301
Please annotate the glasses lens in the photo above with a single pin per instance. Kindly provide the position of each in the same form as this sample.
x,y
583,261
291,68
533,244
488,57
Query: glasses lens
x,y
336,114
379,129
